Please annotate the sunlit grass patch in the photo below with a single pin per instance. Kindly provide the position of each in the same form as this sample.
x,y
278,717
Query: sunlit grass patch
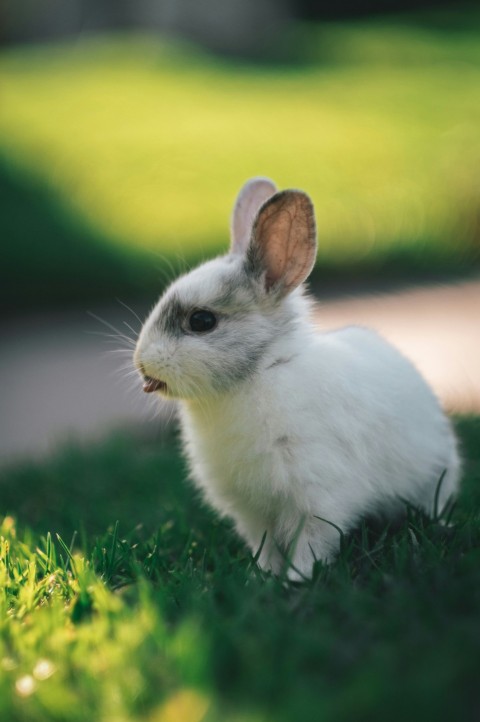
x,y
71,649
149,141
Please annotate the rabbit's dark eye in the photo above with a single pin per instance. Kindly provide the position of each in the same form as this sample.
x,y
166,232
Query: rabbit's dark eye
x,y
201,321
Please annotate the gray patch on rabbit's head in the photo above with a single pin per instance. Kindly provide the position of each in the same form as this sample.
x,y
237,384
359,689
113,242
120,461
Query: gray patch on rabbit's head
x,y
213,361
220,286
171,316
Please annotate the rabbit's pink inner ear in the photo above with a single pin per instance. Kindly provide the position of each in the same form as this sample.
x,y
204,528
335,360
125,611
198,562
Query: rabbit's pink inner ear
x,y
250,198
285,238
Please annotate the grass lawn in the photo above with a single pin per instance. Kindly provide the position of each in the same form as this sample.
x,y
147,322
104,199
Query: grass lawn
x,y
140,145
154,611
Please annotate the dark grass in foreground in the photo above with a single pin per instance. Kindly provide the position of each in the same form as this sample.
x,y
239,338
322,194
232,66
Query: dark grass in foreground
x,y
165,617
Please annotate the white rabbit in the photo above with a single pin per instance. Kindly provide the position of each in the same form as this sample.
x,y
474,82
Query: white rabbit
x,y
290,431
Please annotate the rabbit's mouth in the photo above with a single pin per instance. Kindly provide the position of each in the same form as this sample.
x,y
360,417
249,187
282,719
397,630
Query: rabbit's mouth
x,y
150,385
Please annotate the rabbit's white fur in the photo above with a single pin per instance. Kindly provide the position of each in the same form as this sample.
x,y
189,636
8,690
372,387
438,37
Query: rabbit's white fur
x,y
292,432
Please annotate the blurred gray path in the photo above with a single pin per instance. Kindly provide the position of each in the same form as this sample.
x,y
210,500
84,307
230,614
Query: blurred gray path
x,y
68,376
438,328
65,376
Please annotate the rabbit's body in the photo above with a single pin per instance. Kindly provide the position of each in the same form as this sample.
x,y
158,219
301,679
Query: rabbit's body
x,y
289,431
274,464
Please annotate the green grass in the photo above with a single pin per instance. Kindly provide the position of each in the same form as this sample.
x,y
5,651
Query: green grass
x,y
163,617
144,143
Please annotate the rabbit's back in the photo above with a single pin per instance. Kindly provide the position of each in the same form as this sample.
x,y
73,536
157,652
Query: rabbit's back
x,y
378,408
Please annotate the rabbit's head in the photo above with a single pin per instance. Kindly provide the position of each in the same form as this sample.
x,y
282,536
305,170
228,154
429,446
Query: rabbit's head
x,y
212,326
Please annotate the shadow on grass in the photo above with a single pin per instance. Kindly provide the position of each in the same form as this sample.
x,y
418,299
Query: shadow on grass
x,y
52,259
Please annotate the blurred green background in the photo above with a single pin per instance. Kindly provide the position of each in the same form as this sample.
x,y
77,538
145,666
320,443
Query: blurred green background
x,y
121,153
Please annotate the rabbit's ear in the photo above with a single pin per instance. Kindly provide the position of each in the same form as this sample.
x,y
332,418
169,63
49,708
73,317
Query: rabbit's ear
x,y
283,244
251,197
